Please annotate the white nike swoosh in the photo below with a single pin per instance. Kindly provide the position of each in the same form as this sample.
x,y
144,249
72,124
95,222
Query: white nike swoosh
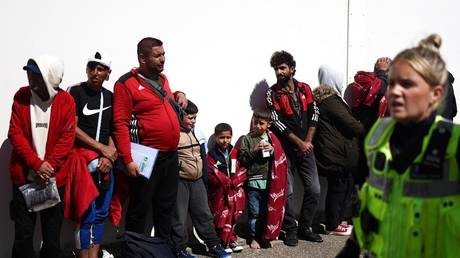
x,y
141,87
88,112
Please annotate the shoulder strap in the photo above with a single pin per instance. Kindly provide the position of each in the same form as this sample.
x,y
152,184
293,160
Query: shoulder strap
x,y
160,90
99,119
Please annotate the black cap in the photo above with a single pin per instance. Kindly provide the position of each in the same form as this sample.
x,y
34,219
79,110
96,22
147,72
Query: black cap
x,y
32,66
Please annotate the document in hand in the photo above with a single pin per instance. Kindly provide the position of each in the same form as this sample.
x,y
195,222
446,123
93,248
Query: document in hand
x,y
144,157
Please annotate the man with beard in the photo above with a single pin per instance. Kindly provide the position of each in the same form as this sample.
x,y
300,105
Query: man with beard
x,y
145,112
295,114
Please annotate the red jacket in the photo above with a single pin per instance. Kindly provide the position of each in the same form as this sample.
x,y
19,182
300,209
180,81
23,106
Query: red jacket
x,y
61,135
140,115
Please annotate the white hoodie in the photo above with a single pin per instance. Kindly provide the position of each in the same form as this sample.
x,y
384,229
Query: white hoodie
x,y
52,70
331,77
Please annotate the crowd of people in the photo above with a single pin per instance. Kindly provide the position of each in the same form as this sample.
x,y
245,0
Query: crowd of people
x,y
81,139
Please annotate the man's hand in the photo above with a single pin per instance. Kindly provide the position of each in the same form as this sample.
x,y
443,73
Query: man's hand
x,y
104,165
46,170
109,152
133,169
181,100
305,148
383,64
41,181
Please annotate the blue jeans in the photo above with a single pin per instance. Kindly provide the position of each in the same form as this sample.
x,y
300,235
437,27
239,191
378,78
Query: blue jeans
x,y
257,210
91,230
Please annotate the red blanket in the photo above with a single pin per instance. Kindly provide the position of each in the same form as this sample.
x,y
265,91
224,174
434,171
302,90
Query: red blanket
x,y
226,197
80,190
277,191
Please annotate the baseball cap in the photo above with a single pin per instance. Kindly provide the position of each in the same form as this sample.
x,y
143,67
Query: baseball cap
x,y
101,58
32,66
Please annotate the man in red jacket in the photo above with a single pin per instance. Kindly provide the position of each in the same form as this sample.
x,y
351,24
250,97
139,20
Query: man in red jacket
x,y
145,112
42,132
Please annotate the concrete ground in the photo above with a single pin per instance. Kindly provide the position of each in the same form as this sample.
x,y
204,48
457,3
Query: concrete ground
x,y
329,248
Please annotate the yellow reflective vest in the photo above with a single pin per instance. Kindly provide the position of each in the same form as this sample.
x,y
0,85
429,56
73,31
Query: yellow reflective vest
x,y
416,213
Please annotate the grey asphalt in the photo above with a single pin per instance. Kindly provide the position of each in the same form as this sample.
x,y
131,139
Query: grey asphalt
x,y
329,248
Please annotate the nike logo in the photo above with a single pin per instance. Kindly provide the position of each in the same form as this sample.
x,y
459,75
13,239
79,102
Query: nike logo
x,y
141,87
89,112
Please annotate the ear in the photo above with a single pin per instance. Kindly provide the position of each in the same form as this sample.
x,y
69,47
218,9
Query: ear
x,y
108,75
437,93
269,124
141,58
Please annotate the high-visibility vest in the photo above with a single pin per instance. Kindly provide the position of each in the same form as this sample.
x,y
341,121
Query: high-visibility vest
x,y
416,213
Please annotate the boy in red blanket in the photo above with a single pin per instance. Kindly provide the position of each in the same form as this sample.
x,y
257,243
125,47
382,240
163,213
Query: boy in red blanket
x,y
263,156
226,194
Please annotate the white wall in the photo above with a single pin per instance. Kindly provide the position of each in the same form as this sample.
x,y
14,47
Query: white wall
x,y
216,50
384,28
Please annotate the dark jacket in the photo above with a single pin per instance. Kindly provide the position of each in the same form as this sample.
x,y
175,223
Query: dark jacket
x,y
286,119
335,141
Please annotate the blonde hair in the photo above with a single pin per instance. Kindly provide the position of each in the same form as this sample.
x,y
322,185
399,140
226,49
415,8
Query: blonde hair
x,y
426,60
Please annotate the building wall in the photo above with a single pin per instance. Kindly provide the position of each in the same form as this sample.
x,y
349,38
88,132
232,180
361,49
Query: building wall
x,y
216,51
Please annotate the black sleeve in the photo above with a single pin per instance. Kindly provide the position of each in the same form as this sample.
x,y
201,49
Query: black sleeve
x,y
382,75
277,121
312,114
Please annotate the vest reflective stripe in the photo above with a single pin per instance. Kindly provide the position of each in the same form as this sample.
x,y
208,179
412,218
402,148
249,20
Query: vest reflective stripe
x,y
381,126
383,183
415,213
431,189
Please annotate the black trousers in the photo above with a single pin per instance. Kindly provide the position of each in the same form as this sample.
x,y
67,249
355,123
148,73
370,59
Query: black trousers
x,y
306,167
339,189
24,225
159,191
192,198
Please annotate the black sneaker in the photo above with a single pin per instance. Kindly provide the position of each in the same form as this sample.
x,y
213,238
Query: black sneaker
x,y
290,238
218,251
184,254
307,234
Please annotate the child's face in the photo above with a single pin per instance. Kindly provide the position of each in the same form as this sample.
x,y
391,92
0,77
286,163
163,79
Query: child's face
x,y
189,121
260,126
224,139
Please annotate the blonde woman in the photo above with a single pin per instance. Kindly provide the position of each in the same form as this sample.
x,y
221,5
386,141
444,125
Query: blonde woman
x,y
410,204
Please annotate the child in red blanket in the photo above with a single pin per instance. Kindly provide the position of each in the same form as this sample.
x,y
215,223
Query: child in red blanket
x,y
263,156
225,180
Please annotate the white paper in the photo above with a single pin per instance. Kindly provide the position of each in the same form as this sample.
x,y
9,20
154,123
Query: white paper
x,y
144,157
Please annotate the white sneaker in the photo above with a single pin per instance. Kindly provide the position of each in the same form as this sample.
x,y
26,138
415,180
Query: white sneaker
x,y
106,254
235,247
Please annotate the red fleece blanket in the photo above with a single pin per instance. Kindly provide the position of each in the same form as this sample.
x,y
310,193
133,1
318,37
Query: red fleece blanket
x,y
80,190
226,196
277,191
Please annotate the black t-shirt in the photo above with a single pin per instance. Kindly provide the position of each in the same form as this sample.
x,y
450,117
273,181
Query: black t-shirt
x,y
87,105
